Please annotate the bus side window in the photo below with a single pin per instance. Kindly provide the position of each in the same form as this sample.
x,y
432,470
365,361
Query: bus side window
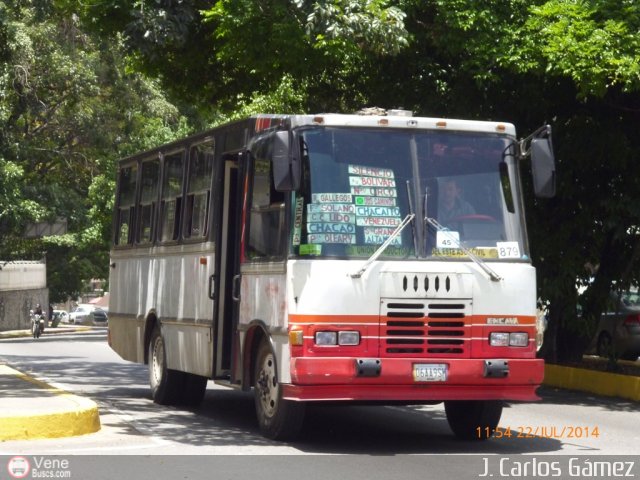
x,y
126,202
171,206
198,190
148,200
266,219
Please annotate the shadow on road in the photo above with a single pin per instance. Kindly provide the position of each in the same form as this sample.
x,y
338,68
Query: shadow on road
x,y
227,417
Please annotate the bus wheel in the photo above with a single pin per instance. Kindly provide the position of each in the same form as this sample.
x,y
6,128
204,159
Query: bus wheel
x,y
473,419
193,389
166,385
279,419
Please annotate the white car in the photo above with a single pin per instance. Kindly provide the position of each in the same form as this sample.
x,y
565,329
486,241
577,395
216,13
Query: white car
x,y
85,314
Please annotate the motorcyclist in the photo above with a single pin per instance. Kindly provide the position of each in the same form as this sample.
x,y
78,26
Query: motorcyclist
x,y
39,315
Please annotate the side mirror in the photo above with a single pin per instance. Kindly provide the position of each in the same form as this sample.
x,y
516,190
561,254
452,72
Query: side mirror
x,y
286,162
543,166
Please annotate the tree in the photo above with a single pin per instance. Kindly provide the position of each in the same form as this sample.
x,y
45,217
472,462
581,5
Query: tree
x,y
217,57
69,108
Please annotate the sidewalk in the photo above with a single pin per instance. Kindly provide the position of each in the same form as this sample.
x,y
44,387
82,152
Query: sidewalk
x,y
31,409
61,328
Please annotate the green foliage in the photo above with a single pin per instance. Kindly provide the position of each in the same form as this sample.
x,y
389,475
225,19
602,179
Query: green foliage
x,y
13,207
596,44
70,106
593,43
215,56
370,24
286,98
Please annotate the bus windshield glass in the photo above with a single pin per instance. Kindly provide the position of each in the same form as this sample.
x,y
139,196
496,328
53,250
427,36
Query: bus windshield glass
x,y
360,184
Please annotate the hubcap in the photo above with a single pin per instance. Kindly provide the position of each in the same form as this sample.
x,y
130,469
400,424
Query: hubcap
x,y
267,385
157,360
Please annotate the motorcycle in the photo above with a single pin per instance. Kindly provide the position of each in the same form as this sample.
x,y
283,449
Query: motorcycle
x,y
37,324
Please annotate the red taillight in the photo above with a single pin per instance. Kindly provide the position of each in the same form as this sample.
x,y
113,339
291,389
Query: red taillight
x,y
632,320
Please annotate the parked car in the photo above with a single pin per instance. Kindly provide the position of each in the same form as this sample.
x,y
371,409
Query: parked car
x,y
619,327
99,317
59,316
85,314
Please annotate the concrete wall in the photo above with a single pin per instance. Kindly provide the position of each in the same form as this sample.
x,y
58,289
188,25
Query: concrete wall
x,y
22,275
22,286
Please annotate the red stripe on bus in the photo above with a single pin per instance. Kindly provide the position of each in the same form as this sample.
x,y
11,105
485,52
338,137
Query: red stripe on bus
x,y
480,320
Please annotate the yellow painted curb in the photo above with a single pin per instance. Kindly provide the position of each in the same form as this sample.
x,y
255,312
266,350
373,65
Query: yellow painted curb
x,y
600,383
81,418
48,332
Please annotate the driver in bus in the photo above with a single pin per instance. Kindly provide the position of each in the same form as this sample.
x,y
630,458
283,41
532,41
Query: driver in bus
x,y
452,205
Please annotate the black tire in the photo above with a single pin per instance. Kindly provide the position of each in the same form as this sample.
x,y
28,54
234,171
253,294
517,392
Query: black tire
x,y
604,345
473,419
35,330
166,385
278,419
193,390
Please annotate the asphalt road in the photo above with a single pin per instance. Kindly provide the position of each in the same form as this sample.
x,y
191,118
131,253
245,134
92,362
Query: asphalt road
x,y
563,423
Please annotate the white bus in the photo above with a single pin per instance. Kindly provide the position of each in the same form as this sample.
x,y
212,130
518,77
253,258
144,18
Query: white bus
x,y
329,257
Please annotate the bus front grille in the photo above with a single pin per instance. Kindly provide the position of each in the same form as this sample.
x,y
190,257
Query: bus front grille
x,y
424,328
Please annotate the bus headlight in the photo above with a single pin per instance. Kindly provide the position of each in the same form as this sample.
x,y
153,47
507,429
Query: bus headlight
x,y
349,338
499,339
326,338
519,339
504,339
343,337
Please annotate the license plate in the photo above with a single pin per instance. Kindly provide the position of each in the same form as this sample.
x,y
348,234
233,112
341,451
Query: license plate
x,y
430,372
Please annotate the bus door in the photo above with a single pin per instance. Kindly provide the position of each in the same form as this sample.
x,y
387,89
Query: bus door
x,y
228,242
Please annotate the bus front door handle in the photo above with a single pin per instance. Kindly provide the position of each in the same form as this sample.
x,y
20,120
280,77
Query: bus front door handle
x,y
212,287
235,292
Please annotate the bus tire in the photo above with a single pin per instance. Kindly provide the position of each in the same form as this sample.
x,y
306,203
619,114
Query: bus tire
x,y
473,419
193,389
166,385
278,419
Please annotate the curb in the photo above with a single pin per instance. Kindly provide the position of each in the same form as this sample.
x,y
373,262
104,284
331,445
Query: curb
x,y
79,418
49,331
592,381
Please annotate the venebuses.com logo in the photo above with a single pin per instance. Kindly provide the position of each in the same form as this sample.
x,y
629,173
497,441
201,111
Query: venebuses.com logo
x,y
39,467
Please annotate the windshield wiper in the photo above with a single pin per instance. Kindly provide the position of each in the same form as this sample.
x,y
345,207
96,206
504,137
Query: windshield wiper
x,y
413,224
407,220
477,260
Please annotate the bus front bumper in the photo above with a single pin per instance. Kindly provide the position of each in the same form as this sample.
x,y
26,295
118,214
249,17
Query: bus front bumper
x,y
335,379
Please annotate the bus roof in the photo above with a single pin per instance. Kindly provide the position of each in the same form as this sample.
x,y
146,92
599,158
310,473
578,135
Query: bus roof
x,y
261,122
402,121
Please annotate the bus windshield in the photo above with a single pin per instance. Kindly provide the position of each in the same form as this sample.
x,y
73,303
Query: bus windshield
x,y
359,184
